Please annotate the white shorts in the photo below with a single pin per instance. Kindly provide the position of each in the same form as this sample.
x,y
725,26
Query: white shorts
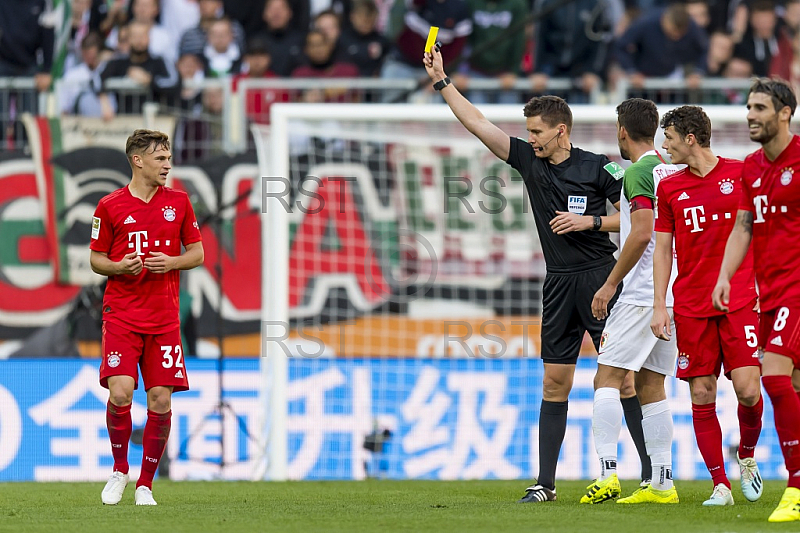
x,y
628,342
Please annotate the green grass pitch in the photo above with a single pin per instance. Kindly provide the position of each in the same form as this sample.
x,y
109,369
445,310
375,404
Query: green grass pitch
x,y
373,505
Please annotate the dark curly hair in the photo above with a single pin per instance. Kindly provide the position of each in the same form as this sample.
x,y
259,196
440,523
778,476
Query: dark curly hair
x,y
689,119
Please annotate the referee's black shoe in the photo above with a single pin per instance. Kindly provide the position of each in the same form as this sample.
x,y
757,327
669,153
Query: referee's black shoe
x,y
538,493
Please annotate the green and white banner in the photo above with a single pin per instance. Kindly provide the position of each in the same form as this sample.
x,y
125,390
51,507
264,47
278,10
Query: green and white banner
x,y
79,160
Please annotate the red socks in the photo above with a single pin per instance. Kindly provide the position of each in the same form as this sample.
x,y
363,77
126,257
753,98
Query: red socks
x,y
154,440
786,407
118,421
709,440
749,427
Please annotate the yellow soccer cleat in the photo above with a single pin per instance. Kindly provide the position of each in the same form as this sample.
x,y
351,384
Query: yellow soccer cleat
x,y
650,495
789,508
601,491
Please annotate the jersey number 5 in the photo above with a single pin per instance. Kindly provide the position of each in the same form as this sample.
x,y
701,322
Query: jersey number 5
x,y
750,335
169,360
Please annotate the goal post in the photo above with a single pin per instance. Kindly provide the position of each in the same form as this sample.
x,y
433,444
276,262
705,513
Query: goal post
x,y
400,255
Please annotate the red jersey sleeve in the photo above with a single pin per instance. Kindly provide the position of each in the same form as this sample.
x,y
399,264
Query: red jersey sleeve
x,y
102,230
745,199
190,230
665,219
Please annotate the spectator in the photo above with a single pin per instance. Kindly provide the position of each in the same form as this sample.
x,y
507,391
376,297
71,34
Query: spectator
x,y
760,41
321,63
699,12
222,55
329,23
781,63
791,17
257,63
162,44
152,75
192,128
26,42
572,42
361,44
191,70
280,35
179,16
491,20
112,15
340,8
194,41
454,21
739,69
76,91
26,50
720,52
79,29
729,16
123,41
250,14
663,43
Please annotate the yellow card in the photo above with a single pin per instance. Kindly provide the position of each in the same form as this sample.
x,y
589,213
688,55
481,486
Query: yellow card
x,y
434,31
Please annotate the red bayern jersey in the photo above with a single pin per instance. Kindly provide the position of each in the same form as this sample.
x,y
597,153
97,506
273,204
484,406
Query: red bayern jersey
x,y
122,223
700,212
771,191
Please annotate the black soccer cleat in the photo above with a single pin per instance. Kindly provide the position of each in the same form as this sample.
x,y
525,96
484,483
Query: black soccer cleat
x,y
538,493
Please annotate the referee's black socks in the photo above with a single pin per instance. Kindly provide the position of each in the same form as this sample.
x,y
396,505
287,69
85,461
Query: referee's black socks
x,y
552,427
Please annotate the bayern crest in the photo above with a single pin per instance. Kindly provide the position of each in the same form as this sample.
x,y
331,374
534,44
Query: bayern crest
x,y
169,213
786,176
726,186
113,359
683,361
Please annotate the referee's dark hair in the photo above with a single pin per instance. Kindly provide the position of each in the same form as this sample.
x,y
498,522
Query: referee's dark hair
x,y
552,109
779,90
689,119
639,117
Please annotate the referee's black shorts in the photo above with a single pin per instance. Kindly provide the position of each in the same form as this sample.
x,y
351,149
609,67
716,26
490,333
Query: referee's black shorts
x,y
567,310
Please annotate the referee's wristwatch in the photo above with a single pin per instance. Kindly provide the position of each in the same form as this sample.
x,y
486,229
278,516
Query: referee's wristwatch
x,y
597,223
441,84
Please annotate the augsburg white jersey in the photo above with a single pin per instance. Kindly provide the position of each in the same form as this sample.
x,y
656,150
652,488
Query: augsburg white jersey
x,y
641,179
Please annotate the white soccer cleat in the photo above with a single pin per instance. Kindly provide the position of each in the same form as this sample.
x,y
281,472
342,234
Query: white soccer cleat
x,y
144,496
720,497
112,492
752,484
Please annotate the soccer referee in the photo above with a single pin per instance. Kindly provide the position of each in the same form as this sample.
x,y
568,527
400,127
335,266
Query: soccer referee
x,y
568,188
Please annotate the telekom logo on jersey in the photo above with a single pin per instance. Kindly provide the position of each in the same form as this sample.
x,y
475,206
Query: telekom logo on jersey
x,y
695,216
140,238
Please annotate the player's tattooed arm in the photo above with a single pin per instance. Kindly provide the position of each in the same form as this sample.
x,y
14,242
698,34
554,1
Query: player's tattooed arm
x,y
744,221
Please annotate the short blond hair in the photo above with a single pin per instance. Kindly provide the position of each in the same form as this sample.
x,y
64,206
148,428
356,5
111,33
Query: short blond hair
x,y
140,142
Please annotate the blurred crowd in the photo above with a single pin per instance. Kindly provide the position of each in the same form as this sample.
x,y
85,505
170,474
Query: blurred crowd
x,y
167,47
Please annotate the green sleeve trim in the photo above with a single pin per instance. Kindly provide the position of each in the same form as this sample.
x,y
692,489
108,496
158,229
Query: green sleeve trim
x,y
639,181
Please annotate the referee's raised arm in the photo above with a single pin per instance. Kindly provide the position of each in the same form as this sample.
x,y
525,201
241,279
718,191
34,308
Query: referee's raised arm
x,y
493,137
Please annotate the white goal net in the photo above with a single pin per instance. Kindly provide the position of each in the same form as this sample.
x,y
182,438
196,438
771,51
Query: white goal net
x,y
401,297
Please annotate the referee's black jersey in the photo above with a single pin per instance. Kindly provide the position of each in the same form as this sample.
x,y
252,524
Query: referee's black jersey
x,y
581,185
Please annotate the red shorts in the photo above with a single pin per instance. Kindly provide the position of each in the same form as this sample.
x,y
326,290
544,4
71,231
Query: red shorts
x,y
780,332
160,357
706,344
